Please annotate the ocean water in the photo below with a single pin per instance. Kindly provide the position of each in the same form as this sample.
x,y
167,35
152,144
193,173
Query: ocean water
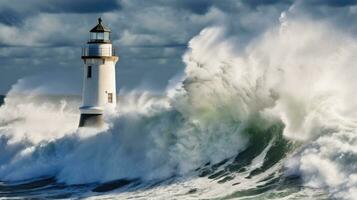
x,y
273,119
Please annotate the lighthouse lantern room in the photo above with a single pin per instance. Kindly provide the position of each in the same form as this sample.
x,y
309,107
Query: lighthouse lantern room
x,y
99,86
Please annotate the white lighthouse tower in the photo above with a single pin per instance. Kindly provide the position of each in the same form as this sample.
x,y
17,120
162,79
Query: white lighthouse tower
x,y
99,87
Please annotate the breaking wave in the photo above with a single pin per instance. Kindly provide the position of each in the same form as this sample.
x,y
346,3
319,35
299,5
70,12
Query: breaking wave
x,y
275,115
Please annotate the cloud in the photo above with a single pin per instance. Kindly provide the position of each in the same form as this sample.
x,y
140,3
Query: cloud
x,y
255,3
151,36
14,12
60,6
78,6
198,6
333,3
10,17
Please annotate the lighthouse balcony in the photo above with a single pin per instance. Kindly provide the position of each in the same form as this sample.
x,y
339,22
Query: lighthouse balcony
x,y
88,52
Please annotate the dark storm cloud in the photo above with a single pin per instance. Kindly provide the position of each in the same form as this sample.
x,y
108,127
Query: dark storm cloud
x,y
60,6
78,6
151,36
10,17
333,3
198,6
203,6
256,3
13,12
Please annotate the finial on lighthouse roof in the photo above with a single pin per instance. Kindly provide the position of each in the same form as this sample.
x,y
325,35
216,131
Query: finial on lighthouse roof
x,y
100,27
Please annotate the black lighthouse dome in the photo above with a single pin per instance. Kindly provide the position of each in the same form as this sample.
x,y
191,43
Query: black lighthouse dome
x,y
100,33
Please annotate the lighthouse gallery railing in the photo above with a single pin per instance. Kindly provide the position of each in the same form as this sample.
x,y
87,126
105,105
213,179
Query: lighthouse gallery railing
x,y
86,51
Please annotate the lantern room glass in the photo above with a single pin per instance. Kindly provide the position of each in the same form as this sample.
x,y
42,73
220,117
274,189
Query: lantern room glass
x,y
100,36
106,36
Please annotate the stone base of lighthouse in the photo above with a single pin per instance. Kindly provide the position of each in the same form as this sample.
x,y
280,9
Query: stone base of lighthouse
x,y
91,120
91,117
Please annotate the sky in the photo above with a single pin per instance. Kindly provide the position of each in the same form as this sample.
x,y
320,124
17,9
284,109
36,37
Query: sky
x,y
41,40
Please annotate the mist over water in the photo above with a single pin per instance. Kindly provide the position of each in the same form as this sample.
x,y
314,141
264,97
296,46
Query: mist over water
x,y
281,106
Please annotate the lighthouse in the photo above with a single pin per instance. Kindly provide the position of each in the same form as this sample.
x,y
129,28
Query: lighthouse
x,y
99,86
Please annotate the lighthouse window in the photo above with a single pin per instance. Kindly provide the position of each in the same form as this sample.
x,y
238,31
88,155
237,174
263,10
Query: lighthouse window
x,y
110,97
93,36
100,36
106,36
89,72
